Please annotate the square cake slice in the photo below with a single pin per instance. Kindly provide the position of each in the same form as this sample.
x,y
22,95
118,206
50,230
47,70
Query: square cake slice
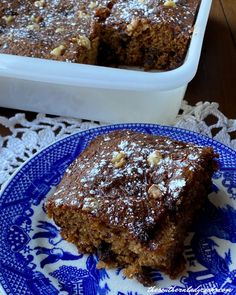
x,y
130,197
147,33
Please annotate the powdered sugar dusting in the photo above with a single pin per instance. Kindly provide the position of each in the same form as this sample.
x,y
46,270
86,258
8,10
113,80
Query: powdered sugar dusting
x,y
54,29
176,185
156,12
133,195
38,29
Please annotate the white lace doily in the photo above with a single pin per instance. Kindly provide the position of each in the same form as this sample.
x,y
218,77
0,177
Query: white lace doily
x,y
27,137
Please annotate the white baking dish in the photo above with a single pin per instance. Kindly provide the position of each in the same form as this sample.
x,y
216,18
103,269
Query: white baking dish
x,y
100,93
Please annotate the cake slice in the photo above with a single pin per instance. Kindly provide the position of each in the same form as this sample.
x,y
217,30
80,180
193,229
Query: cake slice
x,y
147,33
130,198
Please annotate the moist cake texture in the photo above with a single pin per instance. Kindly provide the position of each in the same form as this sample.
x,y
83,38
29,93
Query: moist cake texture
x,y
142,33
130,198
49,29
147,33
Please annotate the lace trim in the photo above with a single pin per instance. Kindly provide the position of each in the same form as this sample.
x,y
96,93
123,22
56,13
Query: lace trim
x,y
27,137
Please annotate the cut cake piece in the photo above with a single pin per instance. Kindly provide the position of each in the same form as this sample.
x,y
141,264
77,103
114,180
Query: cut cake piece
x,y
130,197
59,30
147,33
141,33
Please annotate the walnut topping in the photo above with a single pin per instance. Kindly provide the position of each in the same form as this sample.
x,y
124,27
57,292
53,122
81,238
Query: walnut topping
x,y
82,14
40,3
59,30
92,5
82,41
169,3
154,158
8,19
58,51
132,26
33,27
36,19
154,191
119,159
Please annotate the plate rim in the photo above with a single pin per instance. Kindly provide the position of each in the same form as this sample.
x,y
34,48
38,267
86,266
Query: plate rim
x,y
99,130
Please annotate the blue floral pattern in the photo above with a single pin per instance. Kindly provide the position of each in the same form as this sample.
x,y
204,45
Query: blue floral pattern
x,y
34,259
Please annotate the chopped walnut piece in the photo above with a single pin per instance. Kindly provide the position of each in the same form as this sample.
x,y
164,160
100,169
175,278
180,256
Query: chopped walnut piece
x,y
92,5
58,51
8,19
154,191
40,3
169,3
82,41
36,19
59,30
119,159
82,14
154,158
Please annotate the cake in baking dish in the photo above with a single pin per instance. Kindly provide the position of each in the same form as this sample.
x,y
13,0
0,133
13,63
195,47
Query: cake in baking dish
x,y
148,33
48,29
141,33
130,198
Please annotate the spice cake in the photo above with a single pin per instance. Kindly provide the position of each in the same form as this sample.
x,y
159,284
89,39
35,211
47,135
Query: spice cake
x,y
49,29
142,33
147,33
130,197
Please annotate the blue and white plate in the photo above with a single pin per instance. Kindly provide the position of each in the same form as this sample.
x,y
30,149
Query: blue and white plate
x,y
35,260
